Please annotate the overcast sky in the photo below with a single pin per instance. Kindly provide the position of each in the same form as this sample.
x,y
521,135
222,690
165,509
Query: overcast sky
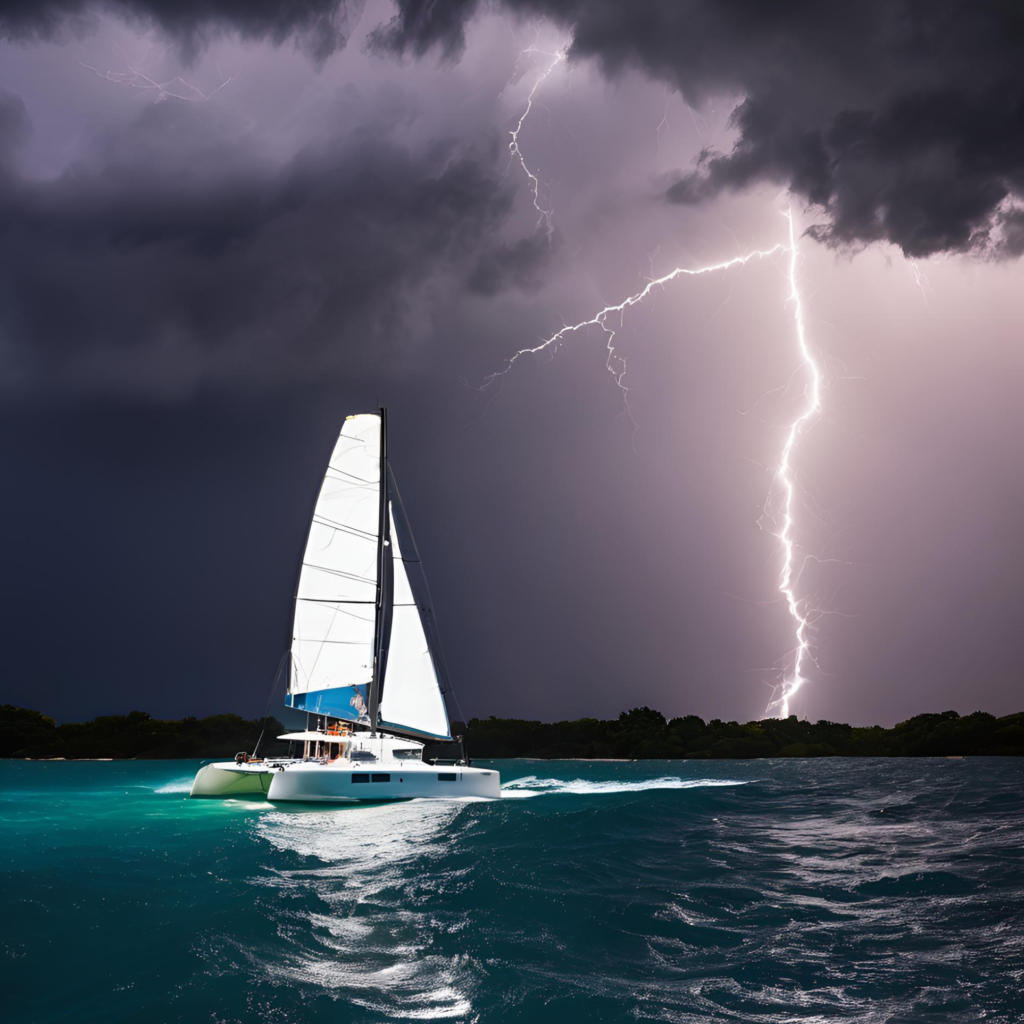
x,y
317,213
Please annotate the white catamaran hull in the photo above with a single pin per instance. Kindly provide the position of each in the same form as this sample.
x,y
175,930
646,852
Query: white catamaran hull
x,y
227,779
317,783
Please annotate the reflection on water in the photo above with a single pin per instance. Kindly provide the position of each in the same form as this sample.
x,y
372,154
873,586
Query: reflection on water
x,y
369,941
360,842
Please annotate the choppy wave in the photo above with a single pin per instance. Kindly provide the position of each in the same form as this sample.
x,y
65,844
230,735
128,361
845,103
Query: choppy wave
x,y
530,786
852,892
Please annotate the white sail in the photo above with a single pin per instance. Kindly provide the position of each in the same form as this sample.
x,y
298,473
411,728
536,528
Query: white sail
x,y
411,695
335,603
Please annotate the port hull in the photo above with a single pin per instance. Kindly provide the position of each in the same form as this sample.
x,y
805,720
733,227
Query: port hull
x,y
225,779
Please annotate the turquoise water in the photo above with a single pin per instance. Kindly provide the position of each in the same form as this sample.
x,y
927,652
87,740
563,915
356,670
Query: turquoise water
x,y
764,891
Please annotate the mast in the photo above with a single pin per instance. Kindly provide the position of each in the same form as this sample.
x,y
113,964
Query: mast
x,y
382,624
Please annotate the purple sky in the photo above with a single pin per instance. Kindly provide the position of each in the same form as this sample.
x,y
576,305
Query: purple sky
x,y
196,292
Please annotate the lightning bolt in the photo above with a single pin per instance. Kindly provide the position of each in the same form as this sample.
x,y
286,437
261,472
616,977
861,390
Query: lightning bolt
x,y
175,88
785,481
616,364
545,217
921,280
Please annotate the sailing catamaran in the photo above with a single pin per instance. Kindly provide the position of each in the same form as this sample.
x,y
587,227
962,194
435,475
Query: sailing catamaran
x,y
365,660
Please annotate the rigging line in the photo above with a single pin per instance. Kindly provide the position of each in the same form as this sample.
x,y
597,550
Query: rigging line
x,y
339,572
332,524
348,643
360,480
266,710
338,610
319,513
449,690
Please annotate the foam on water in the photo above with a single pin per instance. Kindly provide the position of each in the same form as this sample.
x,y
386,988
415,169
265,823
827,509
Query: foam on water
x,y
177,786
530,786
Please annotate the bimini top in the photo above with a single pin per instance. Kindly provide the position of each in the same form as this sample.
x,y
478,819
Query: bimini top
x,y
365,646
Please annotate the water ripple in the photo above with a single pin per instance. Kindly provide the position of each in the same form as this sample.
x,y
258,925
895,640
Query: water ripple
x,y
766,892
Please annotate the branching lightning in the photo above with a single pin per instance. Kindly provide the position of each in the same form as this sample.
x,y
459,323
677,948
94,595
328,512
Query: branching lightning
x,y
784,491
175,88
616,363
784,477
545,217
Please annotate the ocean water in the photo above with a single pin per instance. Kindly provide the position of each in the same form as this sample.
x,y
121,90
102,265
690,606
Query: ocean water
x,y
764,891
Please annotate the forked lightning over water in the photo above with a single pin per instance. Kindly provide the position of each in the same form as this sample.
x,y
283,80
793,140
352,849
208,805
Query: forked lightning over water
x,y
785,484
785,481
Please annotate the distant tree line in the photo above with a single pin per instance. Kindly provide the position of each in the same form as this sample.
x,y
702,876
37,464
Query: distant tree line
x,y
25,733
643,733
636,735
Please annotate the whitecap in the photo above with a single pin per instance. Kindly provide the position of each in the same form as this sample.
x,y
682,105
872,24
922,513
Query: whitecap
x,y
531,786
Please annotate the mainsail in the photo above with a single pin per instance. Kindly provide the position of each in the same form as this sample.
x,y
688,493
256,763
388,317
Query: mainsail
x,y
363,636
336,599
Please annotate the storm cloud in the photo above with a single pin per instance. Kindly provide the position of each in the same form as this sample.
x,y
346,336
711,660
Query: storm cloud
x,y
318,27
902,121
175,251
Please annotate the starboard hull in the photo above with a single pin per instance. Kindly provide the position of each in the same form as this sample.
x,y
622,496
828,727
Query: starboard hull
x,y
315,783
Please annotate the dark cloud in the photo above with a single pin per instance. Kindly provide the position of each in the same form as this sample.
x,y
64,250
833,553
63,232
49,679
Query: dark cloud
x,y
319,27
14,125
423,25
174,238
518,264
903,120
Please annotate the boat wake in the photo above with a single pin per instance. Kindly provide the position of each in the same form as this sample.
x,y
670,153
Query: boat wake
x,y
175,786
530,786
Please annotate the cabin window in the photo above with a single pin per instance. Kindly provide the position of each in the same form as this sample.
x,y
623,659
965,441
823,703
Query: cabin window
x,y
360,778
446,776
406,753
381,778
